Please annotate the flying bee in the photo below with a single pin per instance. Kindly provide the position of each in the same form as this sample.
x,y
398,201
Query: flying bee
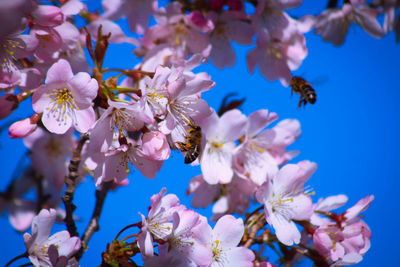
x,y
304,89
192,143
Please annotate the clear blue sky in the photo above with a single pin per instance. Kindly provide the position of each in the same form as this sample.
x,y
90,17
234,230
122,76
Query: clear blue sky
x,y
352,133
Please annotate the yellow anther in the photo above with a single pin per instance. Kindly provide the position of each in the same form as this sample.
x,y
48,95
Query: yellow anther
x,y
217,145
258,148
287,199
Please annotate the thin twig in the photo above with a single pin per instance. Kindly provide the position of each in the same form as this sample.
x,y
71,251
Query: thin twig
x,y
94,221
253,232
70,182
24,255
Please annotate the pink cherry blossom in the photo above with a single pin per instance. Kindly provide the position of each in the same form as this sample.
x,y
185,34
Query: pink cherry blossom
x,y
138,12
280,45
284,199
189,237
65,99
115,163
220,134
347,239
224,240
13,15
252,159
20,212
178,31
333,24
122,116
14,46
203,193
158,225
228,27
184,103
44,250
50,150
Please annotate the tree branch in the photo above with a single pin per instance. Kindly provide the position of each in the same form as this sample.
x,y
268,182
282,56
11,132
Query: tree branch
x,y
94,221
70,182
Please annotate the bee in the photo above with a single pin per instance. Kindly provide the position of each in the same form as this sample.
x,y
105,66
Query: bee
x,y
192,143
304,89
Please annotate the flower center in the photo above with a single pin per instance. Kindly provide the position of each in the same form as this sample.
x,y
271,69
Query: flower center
x,y
7,58
62,103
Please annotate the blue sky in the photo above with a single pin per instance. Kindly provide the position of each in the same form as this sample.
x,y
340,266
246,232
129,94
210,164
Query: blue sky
x,y
352,133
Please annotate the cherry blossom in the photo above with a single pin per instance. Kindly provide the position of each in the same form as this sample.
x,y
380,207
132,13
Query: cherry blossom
x,y
284,199
225,238
122,116
44,250
158,225
261,153
65,99
188,238
220,134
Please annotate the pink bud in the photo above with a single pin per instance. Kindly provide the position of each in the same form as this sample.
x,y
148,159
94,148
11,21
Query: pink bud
x,y
8,103
155,146
49,16
197,18
21,129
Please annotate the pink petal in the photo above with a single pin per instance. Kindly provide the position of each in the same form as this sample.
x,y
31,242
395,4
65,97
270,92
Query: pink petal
x,y
84,89
69,246
84,119
238,257
216,166
39,99
229,231
258,120
291,177
42,223
51,121
286,231
59,72
359,207
232,125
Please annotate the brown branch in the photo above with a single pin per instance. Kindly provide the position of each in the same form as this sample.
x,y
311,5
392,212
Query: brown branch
x,y
94,221
70,182
251,238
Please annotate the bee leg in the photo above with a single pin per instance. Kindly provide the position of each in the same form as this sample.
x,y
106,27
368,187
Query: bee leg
x,y
300,102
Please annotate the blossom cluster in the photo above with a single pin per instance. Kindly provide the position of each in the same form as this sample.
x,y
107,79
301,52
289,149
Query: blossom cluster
x,y
184,237
133,119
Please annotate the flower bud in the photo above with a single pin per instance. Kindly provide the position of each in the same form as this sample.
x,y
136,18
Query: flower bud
x,y
197,18
22,128
155,146
49,16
